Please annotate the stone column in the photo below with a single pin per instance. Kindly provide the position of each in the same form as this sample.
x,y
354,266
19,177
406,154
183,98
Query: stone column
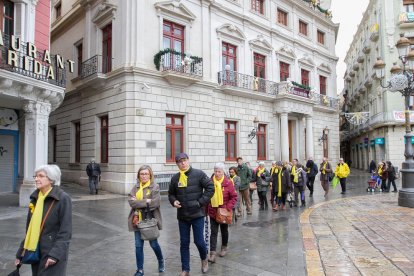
x,y
309,137
277,137
284,136
36,118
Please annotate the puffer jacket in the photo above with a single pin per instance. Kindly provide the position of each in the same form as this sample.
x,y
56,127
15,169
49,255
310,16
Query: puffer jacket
x,y
342,170
229,198
154,195
194,197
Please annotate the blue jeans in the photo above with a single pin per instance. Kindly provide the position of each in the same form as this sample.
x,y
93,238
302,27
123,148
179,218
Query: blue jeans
x,y
139,250
198,230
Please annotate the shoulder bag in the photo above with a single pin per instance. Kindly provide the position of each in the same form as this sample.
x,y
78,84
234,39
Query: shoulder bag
x,y
33,257
224,216
148,227
252,186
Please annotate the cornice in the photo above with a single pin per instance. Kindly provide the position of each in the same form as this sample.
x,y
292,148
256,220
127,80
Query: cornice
x,y
60,26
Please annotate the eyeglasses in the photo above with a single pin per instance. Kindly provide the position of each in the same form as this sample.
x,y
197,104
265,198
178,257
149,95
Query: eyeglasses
x,y
39,176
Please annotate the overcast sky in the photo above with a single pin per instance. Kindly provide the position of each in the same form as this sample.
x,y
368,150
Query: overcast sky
x,y
349,15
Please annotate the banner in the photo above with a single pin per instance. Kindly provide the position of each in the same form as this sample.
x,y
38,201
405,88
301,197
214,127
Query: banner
x,y
399,116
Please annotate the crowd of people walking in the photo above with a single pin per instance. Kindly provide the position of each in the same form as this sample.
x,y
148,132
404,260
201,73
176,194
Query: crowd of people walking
x,y
200,200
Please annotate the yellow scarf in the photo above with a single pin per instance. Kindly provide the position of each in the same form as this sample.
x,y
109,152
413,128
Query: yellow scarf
x,y
260,171
324,168
273,170
279,178
295,175
231,179
217,198
33,232
140,195
182,182
380,171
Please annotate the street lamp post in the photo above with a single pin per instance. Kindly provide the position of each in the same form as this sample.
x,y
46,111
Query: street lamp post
x,y
402,80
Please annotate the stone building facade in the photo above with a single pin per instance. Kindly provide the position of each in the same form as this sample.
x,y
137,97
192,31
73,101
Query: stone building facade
x,y
193,76
31,86
382,136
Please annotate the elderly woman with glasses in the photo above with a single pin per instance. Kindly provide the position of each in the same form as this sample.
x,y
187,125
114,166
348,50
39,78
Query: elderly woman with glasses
x,y
225,196
49,224
145,192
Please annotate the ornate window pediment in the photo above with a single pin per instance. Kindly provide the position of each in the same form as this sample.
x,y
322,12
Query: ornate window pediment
x,y
261,44
307,60
231,31
104,15
324,67
287,52
175,8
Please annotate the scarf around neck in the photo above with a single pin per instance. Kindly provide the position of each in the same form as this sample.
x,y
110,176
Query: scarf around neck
x,y
182,182
140,195
260,171
295,175
217,198
33,231
279,179
324,168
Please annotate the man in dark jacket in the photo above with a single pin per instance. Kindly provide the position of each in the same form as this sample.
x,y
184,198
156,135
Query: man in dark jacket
x,y
245,175
190,191
392,175
311,172
93,170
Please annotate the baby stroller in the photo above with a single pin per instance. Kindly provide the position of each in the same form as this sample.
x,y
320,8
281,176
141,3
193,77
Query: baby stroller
x,y
374,183
290,197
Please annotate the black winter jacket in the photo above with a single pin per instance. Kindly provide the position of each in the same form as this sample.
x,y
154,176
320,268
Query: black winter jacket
x,y
285,185
194,197
311,169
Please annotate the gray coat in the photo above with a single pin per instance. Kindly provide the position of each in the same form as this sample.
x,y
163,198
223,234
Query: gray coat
x,y
56,235
142,204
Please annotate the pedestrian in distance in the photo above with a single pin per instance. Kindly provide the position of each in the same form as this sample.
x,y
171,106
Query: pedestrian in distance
x,y
262,179
245,174
326,174
49,224
145,194
225,196
383,174
93,170
272,172
190,191
235,179
281,185
372,166
311,172
342,171
252,184
392,175
298,179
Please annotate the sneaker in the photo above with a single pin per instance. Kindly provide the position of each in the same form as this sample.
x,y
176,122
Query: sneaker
x,y
185,273
139,273
223,251
212,258
395,191
204,265
342,193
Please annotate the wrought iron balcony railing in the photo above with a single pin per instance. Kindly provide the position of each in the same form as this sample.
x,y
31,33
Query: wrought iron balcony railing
x,y
180,63
325,100
95,65
35,68
233,78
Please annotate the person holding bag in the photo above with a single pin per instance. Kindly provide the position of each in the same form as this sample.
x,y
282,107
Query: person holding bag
x,y
326,173
220,210
262,178
143,196
48,227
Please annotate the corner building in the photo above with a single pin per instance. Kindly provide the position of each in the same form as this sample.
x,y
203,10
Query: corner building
x,y
158,77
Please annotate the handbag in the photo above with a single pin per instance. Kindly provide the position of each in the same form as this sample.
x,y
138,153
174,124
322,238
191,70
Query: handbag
x,y
224,216
15,272
148,227
33,257
252,186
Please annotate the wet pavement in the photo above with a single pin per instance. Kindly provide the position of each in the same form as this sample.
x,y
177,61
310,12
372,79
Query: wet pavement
x,y
265,243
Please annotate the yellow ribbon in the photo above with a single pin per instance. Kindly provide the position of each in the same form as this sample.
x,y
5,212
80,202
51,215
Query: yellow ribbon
x,y
33,231
324,168
295,175
217,198
279,178
140,195
231,179
260,171
182,182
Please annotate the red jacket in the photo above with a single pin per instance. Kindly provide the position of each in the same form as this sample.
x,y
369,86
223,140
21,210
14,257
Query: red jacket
x,y
229,198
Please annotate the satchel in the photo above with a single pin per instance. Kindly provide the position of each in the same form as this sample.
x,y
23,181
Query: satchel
x,y
15,272
224,216
253,186
148,227
33,257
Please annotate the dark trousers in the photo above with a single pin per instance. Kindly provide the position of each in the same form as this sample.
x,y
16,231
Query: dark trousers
x,y
309,184
263,199
280,200
224,229
251,195
198,233
342,181
299,190
93,184
393,185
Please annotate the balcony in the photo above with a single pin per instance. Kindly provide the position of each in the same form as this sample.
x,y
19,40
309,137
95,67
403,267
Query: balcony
x,y
325,101
406,20
374,30
361,58
355,66
367,48
235,83
178,68
36,68
93,71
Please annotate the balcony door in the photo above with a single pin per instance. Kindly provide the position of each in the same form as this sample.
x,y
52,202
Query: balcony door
x,y
107,48
229,59
259,63
173,38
